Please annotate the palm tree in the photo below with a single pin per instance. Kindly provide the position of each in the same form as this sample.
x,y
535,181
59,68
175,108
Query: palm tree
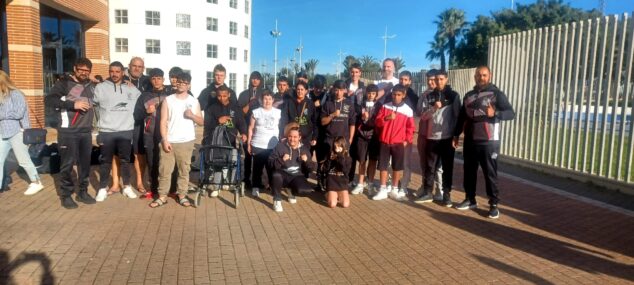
x,y
399,63
311,66
437,50
451,24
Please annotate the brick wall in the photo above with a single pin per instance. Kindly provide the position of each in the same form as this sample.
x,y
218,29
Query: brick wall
x,y
25,48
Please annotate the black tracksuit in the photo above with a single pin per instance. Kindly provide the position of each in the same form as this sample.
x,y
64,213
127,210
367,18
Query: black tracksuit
x,y
482,137
290,173
73,131
253,98
209,97
304,114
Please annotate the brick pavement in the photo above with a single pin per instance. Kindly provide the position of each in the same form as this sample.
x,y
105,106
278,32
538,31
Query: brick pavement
x,y
541,237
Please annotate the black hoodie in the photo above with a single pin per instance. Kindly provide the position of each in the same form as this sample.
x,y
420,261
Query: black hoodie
x,y
61,102
305,115
293,166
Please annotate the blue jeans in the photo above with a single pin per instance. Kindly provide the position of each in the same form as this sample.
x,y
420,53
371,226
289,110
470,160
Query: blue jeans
x,y
21,152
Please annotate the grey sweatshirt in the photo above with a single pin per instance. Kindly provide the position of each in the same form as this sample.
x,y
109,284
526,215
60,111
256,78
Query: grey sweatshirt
x,y
441,123
115,106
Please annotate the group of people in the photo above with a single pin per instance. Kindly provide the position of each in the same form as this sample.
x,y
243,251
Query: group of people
x,y
346,124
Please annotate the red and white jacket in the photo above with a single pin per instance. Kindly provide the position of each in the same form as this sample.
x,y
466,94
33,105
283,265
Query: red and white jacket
x,y
399,130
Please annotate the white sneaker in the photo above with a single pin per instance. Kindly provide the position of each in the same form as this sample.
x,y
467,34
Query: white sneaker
x,y
277,206
102,194
226,187
214,193
128,192
397,194
292,199
255,192
381,195
358,189
34,188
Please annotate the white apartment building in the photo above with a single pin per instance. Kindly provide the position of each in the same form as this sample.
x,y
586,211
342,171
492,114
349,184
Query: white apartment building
x,y
192,34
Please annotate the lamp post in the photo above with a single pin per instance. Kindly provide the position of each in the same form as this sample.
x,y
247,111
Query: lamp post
x,y
299,49
385,37
340,54
276,34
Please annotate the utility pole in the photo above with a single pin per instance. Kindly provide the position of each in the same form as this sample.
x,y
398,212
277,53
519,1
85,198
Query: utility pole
x,y
276,34
299,49
385,37
341,53
264,73
602,6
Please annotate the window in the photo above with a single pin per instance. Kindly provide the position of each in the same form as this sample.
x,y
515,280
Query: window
x,y
212,24
153,18
233,4
182,21
121,16
246,31
233,28
121,44
210,77
246,6
212,1
153,46
212,51
245,81
246,55
183,48
233,53
232,81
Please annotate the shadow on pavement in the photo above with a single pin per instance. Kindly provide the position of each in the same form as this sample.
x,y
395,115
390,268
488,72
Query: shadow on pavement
x,y
512,270
8,269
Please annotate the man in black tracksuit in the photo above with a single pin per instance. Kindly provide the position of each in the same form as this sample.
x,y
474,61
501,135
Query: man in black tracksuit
x,y
209,96
483,109
71,99
249,100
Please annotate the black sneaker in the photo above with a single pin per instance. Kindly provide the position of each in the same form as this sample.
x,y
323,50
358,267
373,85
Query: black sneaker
x,y
494,213
85,198
466,205
68,203
425,197
446,199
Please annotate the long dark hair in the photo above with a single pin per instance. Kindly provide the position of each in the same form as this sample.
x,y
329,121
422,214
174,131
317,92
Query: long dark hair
x,y
340,141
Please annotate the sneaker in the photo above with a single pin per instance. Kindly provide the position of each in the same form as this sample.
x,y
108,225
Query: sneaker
x,y
68,203
438,197
102,194
358,189
352,184
85,198
128,192
494,213
381,195
226,187
34,188
397,194
446,200
277,206
466,205
292,199
425,197
255,192
214,193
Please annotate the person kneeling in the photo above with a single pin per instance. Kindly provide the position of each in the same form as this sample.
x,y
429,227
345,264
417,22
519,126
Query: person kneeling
x,y
337,167
290,161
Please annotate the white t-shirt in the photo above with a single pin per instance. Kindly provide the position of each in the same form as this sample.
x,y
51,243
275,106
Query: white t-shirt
x,y
383,82
267,128
179,128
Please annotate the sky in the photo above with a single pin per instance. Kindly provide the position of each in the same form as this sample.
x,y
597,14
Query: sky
x,y
356,27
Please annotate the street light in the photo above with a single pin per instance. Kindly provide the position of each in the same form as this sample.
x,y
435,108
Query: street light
x,y
340,54
385,37
276,34
299,49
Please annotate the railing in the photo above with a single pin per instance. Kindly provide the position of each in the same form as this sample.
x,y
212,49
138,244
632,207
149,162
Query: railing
x,y
572,89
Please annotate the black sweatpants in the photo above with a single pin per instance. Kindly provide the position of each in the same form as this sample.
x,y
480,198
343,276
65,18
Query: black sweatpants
x,y
260,161
152,150
119,143
484,155
248,163
435,150
296,183
74,148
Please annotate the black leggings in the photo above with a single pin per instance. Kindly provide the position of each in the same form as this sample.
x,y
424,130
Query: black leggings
x,y
296,183
260,161
119,143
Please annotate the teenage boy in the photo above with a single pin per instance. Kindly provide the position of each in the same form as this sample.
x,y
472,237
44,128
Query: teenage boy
x,y
115,102
209,95
423,106
441,124
179,115
283,92
70,99
396,122
411,98
366,143
249,100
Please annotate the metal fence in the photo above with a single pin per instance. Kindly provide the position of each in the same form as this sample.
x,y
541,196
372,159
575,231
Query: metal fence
x,y
572,88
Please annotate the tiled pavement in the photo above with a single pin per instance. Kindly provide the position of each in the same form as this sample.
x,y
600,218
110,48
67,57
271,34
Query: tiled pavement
x,y
541,237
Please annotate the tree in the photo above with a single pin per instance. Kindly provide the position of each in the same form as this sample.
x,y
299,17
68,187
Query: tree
x,y
311,66
347,62
451,24
437,50
399,63
369,64
286,72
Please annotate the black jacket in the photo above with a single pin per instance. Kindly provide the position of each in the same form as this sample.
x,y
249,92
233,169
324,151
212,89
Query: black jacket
x,y
209,96
308,120
215,111
60,103
293,166
411,98
252,97
478,127
149,122
142,83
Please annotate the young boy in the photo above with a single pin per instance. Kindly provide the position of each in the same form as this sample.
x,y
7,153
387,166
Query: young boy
x,y
396,122
366,142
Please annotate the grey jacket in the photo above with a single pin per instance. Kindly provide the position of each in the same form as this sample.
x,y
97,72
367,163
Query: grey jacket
x,y
115,106
441,123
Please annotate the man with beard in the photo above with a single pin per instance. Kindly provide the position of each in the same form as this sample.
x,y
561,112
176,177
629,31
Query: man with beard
x,y
70,98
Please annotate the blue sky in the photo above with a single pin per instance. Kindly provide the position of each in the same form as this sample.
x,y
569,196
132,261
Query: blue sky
x,y
356,27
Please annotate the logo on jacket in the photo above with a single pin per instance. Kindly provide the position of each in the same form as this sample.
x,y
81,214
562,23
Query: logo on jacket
x,y
121,106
